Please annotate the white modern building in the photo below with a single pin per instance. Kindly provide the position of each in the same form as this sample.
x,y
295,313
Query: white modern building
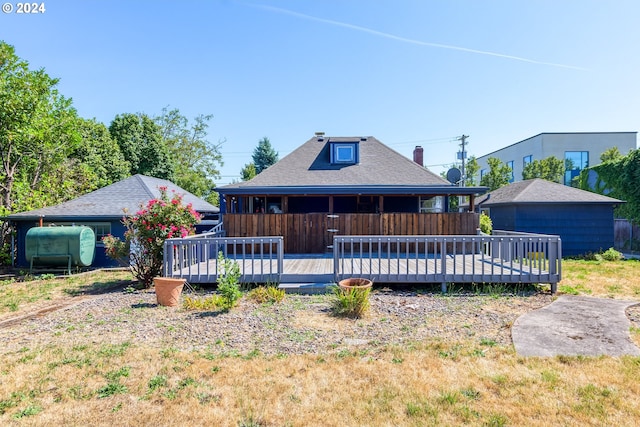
x,y
579,150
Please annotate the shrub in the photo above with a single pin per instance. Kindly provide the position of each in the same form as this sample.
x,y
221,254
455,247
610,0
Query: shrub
x,y
228,285
147,230
206,303
611,255
350,302
270,294
486,225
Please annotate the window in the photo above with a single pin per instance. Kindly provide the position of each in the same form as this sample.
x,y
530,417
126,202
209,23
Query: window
x,y
574,162
344,153
483,172
510,165
526,160
100,229
431,204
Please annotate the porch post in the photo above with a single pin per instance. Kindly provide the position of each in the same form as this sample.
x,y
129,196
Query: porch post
x,y
381,203
330,204
472,199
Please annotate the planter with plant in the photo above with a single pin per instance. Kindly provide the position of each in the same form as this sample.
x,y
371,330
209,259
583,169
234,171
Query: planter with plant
x,y
351,297
146,232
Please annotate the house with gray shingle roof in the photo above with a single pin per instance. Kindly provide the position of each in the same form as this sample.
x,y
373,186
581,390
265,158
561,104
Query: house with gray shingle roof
x,y
582,219
102,210
342,175
332,186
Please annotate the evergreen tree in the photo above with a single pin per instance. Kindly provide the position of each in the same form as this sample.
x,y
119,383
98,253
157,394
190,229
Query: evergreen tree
x,y
264,155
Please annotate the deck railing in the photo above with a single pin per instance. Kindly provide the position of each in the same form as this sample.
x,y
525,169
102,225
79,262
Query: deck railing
x,y
504,257
196,257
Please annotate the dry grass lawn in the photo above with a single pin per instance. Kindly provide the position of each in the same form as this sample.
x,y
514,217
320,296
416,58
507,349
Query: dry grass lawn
x,y
433,382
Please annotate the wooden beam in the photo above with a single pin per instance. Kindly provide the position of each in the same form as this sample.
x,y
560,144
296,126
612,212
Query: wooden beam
x,y
472,199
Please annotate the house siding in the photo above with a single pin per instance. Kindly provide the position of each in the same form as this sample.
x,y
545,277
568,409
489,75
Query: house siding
x,y
583,228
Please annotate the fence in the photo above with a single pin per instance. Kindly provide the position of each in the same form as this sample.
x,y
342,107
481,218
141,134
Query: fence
x,y
626,236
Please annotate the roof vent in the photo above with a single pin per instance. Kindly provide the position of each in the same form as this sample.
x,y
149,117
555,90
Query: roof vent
x,y
320,136
364,138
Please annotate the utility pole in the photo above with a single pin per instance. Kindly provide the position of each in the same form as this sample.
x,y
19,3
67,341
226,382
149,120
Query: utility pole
x,y
462,155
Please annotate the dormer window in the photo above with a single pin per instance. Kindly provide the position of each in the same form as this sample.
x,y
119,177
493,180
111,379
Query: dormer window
x,y
344,153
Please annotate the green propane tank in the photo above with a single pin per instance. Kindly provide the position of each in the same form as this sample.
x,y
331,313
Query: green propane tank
x,y
60,246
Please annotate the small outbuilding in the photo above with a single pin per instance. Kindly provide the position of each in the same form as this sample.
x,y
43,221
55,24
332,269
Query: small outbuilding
x,y
583,220
102,211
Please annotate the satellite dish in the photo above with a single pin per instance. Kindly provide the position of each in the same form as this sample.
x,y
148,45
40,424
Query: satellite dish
x,y
454,175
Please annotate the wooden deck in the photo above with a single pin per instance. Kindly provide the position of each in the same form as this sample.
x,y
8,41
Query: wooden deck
x,y
385,259
320,268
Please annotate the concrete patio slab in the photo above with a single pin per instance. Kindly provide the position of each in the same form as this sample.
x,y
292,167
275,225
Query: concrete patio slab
x,y
574,326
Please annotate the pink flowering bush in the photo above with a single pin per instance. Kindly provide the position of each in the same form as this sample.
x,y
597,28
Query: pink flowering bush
x,y
159,220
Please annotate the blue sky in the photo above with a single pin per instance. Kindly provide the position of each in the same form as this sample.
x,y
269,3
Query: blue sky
x,y
409,72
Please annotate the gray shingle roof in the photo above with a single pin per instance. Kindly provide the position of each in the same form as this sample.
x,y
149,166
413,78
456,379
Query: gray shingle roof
x,y
541,191
309,166
110,201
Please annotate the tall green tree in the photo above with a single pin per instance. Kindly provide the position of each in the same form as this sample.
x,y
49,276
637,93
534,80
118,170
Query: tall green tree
x,y
498,176
98,158
37,134
551,169
140,141
248,172
196,160
264,155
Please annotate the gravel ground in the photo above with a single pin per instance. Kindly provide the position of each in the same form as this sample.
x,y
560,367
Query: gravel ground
x,y
300,324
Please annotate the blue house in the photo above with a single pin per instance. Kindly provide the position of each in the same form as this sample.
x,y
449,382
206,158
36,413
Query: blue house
x,y
583,220
102,210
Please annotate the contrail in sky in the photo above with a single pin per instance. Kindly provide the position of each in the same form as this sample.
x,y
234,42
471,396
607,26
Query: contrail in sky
x,y
406,40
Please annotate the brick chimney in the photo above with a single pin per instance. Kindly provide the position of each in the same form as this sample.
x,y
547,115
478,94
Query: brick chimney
x,y
418,153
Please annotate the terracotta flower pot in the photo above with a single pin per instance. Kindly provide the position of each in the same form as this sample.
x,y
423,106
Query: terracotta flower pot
x,y
168,290
355,283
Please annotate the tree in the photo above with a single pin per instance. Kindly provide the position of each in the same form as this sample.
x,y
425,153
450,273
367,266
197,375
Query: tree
x,y
551,169
471,170
140,141
98,158
498,176
610,154
264,155
196,160
248,172
37,131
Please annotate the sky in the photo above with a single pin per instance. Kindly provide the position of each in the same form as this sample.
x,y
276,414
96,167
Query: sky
x,y
408,72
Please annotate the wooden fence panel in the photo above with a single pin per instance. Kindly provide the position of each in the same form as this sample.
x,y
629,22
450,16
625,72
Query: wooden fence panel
x,y
313,233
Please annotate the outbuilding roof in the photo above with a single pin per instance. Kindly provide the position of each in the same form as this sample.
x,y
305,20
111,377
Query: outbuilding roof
x,y
309,170
110,202
541,191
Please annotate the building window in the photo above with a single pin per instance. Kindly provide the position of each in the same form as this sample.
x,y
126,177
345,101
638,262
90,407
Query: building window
x,y
510,165
344,153
100,229
483,172
574,162
526,160
431,204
